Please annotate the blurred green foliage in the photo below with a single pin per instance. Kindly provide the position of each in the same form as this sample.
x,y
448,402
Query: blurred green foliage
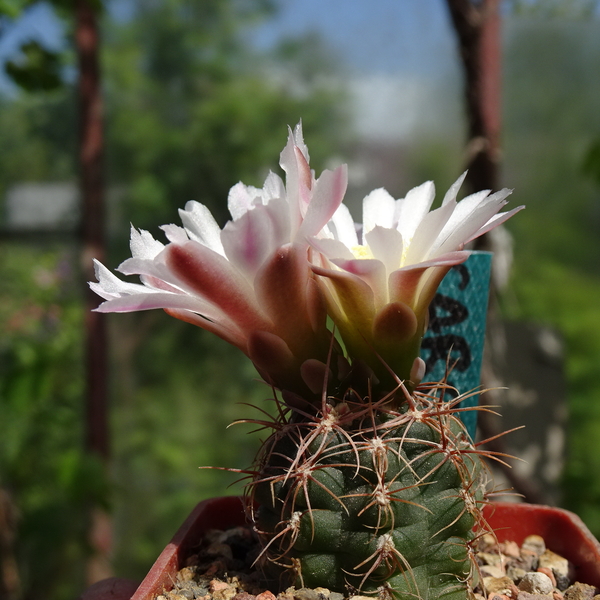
x,y
551,121
190,110
42,468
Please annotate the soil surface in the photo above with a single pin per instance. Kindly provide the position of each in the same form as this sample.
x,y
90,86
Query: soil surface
x,y
221,569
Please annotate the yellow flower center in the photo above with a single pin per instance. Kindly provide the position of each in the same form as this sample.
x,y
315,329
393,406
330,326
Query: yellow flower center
x,y
362,252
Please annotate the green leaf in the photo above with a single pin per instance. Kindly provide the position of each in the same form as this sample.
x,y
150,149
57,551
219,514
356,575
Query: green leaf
x,y
37,69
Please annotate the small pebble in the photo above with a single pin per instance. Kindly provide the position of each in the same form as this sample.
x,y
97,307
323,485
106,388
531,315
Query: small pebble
x,y
490,558
307,594
266,595
558,564
510,549
497,585
244,596
528,596
529,560
536,583
549,573
491,571
535,543
515,573
580,591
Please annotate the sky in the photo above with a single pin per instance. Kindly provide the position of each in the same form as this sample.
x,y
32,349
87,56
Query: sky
x,y
396,51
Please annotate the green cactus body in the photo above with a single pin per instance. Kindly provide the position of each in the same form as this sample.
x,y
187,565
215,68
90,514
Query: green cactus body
x,y
364,497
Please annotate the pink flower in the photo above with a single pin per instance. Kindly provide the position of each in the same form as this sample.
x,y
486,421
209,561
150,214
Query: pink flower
x,y
250,283
379,284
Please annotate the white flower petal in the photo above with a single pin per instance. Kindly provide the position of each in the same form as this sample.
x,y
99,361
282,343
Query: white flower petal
x,y
427,233
110,286
201,226
411,210
175,234
456,233
332,248
452,192
343,228
242,198
143,245
386,246
378,209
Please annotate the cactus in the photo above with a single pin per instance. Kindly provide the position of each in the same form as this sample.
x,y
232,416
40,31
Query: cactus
x,y
372,496
369,480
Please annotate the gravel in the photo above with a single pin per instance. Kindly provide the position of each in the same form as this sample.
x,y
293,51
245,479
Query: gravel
x,y
221,569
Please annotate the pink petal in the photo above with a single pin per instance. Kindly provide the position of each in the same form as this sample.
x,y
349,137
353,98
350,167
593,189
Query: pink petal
x,y
394,324
153,300
248,240
372,272
269,352
281,288
210,276
225,329
353,295
315,374
327,195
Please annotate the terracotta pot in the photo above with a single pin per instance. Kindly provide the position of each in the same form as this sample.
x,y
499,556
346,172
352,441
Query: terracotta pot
x,y
563,532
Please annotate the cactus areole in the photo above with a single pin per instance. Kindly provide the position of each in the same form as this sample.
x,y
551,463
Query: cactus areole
x,y
369,481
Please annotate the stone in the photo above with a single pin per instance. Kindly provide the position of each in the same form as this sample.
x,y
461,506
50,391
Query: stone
x,y
536,583
307,594
490,558
562,581
527,596
534,543
558,564
491,571
580,591
549,573
511,549
266,595
515,573
498,585
528,560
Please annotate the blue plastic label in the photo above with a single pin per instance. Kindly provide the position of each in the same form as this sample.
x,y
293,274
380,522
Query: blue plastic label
x,y
456,333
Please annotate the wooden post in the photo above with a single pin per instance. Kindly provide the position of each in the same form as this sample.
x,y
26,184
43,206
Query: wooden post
x,y
478,31
91,145
477,27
